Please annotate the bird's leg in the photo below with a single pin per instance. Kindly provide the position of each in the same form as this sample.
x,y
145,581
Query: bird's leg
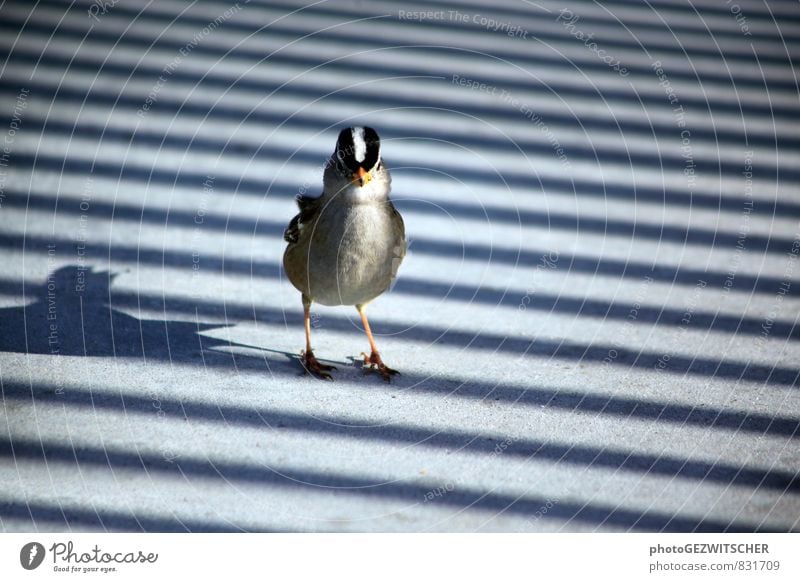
x,y
310,363
374,360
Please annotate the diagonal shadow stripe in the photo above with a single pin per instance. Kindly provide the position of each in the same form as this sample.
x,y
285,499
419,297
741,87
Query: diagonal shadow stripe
x,y
447,386
575,122
597,266
106,520
520,182
516,148
610,39
549,451
580,264
543,302
148,42
531,347
540,29
288,32
531,17
668,7
549,220
335,484
630,358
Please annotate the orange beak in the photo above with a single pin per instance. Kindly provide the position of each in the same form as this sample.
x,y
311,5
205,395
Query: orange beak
x,y
362,176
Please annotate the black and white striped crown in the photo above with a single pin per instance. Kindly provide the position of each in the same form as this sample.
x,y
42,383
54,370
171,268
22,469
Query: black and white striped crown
x,y
358,147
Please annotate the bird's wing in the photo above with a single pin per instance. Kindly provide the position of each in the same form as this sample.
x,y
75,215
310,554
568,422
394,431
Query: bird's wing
x,y
399,232
308,210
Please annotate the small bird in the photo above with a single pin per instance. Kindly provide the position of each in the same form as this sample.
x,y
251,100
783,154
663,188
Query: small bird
x,y
345,246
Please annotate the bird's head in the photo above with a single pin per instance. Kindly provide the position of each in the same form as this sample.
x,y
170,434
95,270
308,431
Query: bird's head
x,y
358,155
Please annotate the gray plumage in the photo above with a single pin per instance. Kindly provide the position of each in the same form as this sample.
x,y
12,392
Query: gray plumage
x,y
345,247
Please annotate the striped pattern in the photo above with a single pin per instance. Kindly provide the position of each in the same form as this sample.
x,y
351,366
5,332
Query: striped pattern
x,y
596,321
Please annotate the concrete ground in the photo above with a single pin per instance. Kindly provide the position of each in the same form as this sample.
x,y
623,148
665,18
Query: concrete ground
x,y
596,322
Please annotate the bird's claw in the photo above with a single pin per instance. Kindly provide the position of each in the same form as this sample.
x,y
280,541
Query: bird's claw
x,y
374,362
314,367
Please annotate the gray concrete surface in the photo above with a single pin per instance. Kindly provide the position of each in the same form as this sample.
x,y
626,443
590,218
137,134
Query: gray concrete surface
x,y
596,323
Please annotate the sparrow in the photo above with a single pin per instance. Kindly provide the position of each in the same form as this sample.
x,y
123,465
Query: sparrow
x,y
346,245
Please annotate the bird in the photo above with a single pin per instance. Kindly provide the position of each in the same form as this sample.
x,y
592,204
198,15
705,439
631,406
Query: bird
x,y
345,246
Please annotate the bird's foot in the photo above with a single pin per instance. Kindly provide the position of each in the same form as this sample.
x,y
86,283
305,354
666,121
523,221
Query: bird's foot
x,y
374,362
313,366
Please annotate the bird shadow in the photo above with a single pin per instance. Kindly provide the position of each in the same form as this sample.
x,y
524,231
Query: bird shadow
x,y
73,314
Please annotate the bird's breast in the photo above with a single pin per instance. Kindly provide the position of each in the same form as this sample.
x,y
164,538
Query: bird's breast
x,y
353,253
